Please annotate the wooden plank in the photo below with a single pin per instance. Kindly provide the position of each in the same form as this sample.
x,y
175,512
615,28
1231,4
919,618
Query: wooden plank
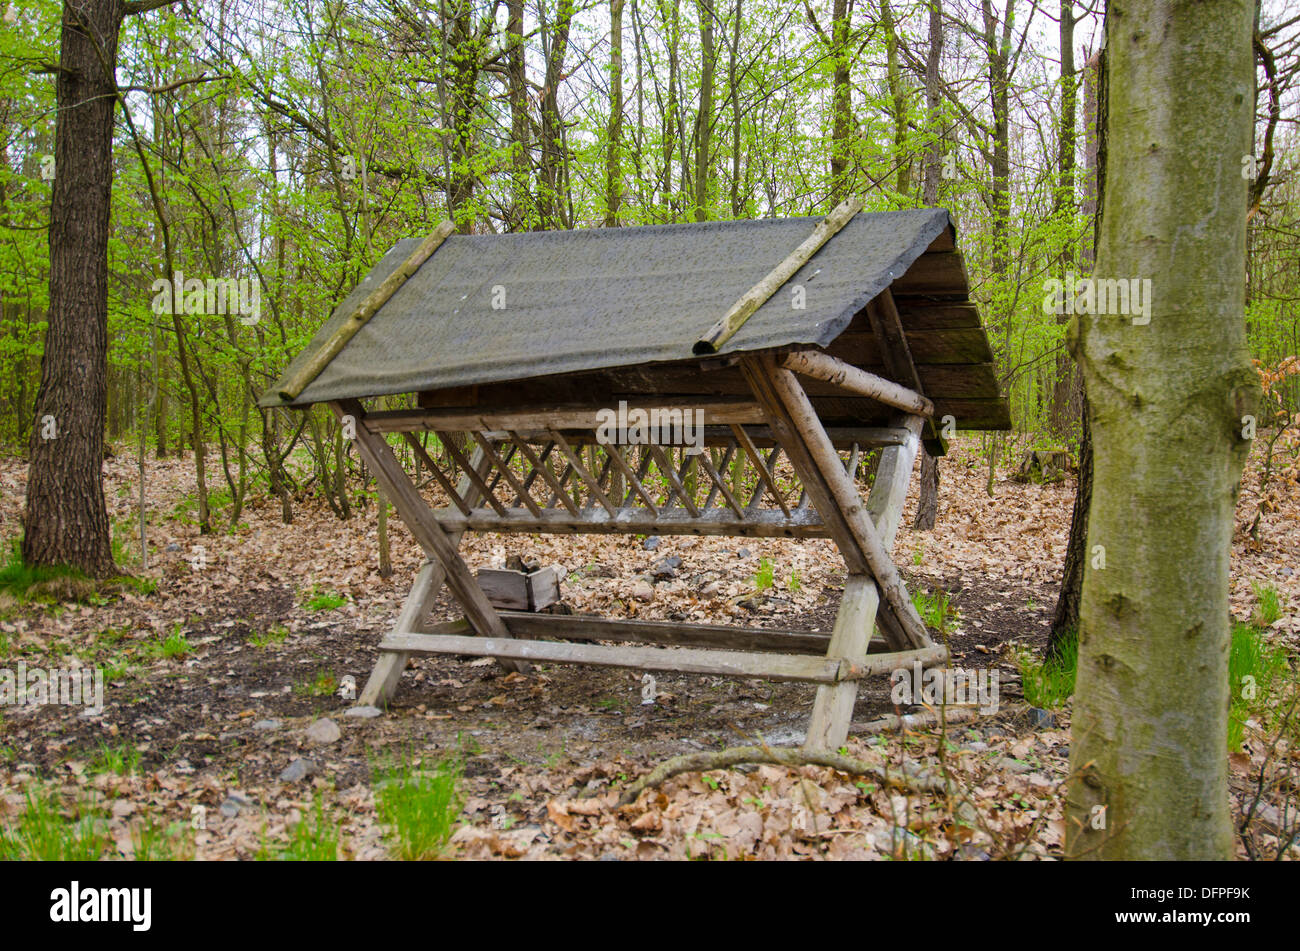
x,y
821,366
578,627
364,311
637,520
684,660
584,416
717,336
957,346
634,483
920,314
940,274
506,590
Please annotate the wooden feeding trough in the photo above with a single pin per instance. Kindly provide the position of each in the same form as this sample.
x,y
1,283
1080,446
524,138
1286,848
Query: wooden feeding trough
x,y
799,338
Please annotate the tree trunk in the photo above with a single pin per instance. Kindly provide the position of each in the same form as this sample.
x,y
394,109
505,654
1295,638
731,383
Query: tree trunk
x,y
1167,400
1065,619
704,118
1067,388
841,102
927,504
614,161
66,521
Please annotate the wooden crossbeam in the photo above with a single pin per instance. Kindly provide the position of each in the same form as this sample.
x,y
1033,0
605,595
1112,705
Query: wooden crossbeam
x,y
564,416
686,660
824,367
670,473
638,520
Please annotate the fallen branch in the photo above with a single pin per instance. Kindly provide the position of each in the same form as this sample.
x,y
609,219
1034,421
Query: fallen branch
x,y
779,756
913,721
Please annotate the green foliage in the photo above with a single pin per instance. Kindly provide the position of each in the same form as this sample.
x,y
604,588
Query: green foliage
x,y
935,609
121,760
315,839
1254,670
420,808
44,833
765,576
323,684
1048,684
173,645
1269,607
155,842
275,634
319,599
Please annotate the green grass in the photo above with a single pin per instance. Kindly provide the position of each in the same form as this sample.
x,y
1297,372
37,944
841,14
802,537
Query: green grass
x,y
44,834
123,760
420,808
322,685
174,644
24,582
795,583
274,635
314,840
1048,684
1254,669
935,609
318,599
157,843
765,576
1269,608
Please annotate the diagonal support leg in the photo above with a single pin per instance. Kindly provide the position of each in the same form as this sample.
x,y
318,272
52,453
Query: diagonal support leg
x,y
382,684
832,713
438,545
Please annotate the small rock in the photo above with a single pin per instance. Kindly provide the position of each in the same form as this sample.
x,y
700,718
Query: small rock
x,y
642,590
262,725
650,543
743,553
173,547
298,769
1013,765
710,589
601,571
978,746
323,731
230,807
665,568
1041,719
367,712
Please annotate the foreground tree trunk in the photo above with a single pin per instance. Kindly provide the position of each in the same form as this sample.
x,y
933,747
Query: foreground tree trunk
x,y
66,521
1167,399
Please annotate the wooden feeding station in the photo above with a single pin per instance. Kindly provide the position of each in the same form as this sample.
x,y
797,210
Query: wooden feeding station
x,y
802,342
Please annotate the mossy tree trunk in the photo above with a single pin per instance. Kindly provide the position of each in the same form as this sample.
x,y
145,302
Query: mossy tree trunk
x,y
1167,399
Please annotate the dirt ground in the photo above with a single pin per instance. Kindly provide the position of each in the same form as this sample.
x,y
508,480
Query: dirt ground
x,y
543,755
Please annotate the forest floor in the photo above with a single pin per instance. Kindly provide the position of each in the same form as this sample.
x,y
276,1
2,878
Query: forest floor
x,y
219,745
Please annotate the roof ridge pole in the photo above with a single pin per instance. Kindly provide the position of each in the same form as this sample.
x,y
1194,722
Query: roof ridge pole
x,y
364,311
757,296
